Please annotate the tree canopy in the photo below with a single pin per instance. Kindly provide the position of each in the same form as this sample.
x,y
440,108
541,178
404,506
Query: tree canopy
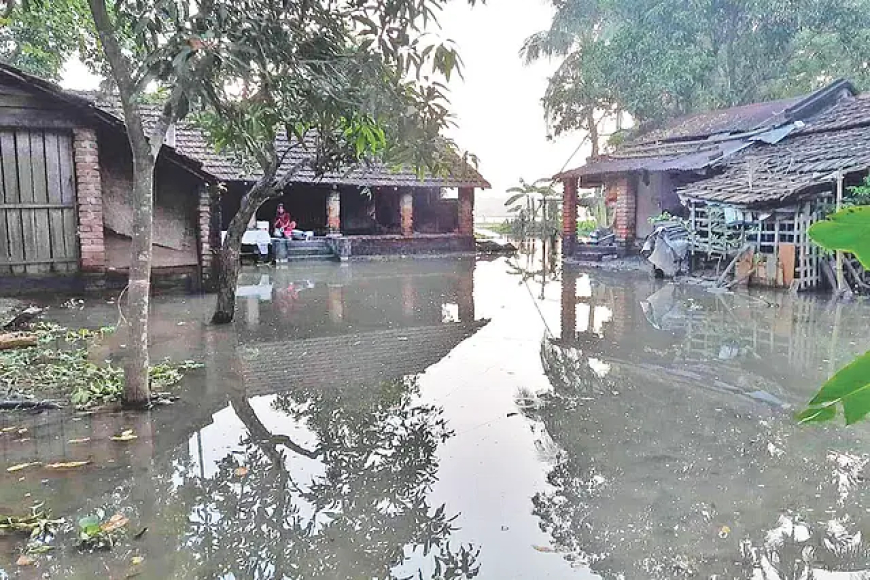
x,y
657,59
344,80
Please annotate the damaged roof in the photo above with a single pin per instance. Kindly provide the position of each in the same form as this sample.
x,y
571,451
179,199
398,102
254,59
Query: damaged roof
x,y
696,142
191,146
766,175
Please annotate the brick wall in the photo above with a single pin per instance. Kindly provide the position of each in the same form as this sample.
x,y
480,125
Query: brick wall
x,y
466,211
626,210
406,207
418,245
333,212
569,215
90,200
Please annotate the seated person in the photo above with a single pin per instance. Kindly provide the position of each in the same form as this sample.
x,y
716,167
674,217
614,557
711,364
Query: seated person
x,y
284,224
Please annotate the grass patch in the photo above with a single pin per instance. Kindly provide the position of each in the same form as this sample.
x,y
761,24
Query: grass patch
x,y
59,366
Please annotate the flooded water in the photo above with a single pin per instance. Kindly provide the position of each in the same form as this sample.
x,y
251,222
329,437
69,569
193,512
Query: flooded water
x,y
503,419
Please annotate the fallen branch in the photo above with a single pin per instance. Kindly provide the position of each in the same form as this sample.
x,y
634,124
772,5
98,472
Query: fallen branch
x,y
17,340
732,264
27,405
737,281
23,319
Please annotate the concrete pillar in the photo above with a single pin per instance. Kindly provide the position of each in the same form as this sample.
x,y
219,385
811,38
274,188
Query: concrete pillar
x,y
333,212
625,227
569,215
406,209
466,211
89,195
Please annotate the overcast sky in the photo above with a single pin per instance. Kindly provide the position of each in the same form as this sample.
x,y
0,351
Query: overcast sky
x,y
497,105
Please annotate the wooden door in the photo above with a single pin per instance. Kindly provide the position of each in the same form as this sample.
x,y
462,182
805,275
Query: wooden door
x,y
37,203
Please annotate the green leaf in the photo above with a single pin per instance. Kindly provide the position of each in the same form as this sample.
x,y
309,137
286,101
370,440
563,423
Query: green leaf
x,y
850,387
849,379
513,199
816,414
847,230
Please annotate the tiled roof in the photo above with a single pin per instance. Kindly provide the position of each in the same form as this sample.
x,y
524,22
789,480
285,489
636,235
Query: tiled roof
x,y
191,142
723,121
802,163
651,157
192,146
849,112
701,140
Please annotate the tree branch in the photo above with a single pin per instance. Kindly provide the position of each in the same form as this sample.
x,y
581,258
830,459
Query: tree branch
x,y
114,55
167,117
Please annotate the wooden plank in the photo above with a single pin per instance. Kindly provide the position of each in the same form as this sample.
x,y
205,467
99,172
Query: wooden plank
x,y
744,267
12,194
53,181
25,184
10,340
40,195
36,205
27,101
37,119
46,261
71,240
4,227
68,196
787,259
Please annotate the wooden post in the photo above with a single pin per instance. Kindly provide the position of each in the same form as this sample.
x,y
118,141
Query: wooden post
x,y
840,282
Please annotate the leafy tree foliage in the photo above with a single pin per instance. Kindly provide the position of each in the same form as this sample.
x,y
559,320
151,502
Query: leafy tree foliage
x,y
331,75
535,207
41,42
660,58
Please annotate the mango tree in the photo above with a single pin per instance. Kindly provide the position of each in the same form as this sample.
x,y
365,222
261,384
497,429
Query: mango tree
x,y
299,57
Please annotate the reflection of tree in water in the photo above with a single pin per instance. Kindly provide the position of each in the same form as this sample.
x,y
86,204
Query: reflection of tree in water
x,y
364,516
657,481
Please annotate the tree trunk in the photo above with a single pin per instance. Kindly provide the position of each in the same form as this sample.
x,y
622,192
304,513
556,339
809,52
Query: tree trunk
x,y
137,389
229,259
593,134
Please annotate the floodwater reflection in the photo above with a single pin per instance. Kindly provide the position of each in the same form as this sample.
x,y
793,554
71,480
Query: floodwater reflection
x,y
679,453
435,419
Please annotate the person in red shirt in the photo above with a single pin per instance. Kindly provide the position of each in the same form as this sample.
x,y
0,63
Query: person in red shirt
x,y
284,224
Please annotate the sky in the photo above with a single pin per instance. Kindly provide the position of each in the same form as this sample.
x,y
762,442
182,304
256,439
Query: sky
x,y
497,104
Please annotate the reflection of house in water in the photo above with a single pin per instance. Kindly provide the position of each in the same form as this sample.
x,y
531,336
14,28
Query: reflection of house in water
x,y
776,335
355,328
677,460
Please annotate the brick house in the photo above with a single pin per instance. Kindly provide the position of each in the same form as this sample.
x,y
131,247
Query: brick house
x,y
66,216
642,178
65,209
